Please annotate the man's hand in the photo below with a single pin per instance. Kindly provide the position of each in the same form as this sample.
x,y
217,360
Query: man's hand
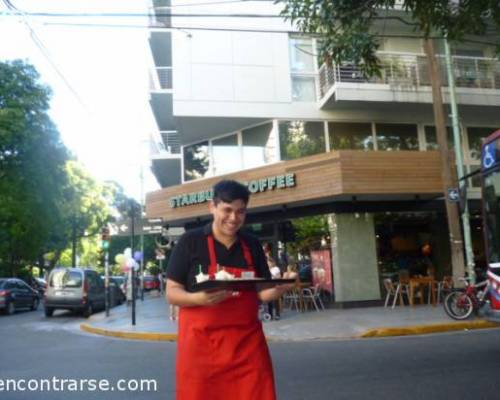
x,y
275,293
210,298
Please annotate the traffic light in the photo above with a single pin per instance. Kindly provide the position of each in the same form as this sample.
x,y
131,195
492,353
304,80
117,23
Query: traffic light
x,y
105,236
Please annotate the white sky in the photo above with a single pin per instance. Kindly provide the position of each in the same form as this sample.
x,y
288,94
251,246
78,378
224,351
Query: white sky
x,y
107,68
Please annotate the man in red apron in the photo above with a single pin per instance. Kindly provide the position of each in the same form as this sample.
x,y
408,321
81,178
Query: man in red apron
x,y
222,352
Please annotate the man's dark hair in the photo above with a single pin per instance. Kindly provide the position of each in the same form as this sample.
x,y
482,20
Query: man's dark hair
x,y
229,191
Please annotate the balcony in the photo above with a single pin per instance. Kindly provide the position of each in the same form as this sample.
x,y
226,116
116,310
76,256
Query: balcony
x,y
165,153
159,17
405,77
160,79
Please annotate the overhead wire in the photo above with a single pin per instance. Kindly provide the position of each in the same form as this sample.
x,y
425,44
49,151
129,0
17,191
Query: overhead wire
x,y
45,52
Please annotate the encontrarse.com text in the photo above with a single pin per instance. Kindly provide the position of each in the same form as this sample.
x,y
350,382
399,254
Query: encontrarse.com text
x,y
55,384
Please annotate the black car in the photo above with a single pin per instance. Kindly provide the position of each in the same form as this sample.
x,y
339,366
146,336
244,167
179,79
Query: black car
x,y
16,294
39,285
116,295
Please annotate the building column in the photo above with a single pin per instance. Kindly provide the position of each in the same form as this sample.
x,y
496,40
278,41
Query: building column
x,y
354,257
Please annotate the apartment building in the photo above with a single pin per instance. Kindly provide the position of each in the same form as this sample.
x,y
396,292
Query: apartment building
x,y
241,95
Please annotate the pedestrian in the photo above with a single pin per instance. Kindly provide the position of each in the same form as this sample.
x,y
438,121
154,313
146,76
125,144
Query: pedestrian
x,y
273,307
222,352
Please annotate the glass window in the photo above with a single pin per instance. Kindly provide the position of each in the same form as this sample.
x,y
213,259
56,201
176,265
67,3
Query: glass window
x,y
301,55
476,137
258,146
69,279
393,137
350,136
303,88
301,138
431,137
196,161
226,156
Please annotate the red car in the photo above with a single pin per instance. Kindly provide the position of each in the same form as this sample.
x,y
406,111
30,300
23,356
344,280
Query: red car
x,y
151,283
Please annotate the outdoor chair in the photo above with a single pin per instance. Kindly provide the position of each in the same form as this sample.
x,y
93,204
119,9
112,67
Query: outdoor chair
x,y
312,296
444,287
395,291
292,299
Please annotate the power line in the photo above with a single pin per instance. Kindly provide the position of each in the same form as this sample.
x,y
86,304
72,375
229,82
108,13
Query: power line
x,y
201,28
147,15
45,52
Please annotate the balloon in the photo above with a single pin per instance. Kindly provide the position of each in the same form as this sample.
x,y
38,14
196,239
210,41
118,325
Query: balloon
x,y
130,262
120,259
138,256
128,252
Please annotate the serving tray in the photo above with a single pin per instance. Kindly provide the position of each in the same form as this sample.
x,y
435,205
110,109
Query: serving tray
x,y
240,284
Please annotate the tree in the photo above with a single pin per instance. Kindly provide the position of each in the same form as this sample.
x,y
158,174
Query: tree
x,y
32,167
350,33
309,233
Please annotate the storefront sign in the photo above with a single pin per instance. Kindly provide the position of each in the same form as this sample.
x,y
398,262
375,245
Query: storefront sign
x,y
254,186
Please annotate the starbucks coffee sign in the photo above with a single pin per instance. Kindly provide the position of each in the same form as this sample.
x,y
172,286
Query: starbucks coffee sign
x,y
276,182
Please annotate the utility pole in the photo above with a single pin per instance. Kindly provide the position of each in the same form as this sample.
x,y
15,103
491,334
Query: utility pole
x,y
469,254
73,241
456,242
142,234
132,217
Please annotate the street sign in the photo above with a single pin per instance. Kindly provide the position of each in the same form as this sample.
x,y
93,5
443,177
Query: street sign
x,y
453,195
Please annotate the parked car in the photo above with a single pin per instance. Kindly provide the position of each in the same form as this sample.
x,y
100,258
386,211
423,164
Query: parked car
x,y
39,285
116,295
151,282
75,289
16,294
121,281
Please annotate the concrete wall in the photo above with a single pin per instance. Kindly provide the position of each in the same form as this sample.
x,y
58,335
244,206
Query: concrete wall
x,y
354,254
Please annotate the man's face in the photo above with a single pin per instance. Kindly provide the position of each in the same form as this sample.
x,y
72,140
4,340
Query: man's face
x,y
228,217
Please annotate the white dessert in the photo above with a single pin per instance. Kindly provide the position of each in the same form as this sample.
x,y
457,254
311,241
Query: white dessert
x,y
201,277
224,276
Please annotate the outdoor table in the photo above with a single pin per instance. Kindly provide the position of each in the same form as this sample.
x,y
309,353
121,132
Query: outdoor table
x,y
420,283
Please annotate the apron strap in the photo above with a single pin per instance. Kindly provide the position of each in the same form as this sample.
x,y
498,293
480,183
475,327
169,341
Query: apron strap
x,y
212,269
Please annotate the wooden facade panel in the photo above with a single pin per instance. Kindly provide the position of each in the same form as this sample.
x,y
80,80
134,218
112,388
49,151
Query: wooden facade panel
x,y
318,177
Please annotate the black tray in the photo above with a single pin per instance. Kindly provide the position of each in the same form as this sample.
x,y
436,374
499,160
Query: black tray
x,y
239,284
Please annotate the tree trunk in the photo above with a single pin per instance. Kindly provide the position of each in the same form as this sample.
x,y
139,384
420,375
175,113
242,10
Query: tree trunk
x,y
448,177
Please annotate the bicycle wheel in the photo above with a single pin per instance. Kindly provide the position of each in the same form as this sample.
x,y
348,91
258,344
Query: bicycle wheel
x,y
458,305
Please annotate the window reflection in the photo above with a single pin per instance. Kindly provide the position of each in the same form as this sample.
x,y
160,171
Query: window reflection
x,y
431,138
258,146
476,138
394,137
301,138
350,136
196,161
226,157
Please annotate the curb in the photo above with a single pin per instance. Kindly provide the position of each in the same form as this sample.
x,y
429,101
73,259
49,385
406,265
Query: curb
x,y
165,337
425,329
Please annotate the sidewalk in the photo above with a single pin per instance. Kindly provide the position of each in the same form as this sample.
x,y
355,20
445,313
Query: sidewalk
x,y
152,322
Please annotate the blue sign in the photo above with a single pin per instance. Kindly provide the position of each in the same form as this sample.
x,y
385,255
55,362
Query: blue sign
x,y
489,155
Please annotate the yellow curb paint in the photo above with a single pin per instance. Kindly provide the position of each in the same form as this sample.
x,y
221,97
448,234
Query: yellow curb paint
x,y
424,329
167,337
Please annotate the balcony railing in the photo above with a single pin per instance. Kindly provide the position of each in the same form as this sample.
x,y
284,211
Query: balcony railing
x,y
160,17
410,72
171,142
160,79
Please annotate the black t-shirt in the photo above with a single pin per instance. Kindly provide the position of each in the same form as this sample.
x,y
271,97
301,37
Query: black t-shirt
x,y
191,251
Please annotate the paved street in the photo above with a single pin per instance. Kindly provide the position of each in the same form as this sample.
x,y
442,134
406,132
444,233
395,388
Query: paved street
x,y
456,365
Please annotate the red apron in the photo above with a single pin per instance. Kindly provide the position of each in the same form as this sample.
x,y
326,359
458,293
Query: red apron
x,y
222,352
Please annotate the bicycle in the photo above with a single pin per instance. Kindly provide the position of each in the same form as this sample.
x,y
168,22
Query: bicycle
x,y
459,304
